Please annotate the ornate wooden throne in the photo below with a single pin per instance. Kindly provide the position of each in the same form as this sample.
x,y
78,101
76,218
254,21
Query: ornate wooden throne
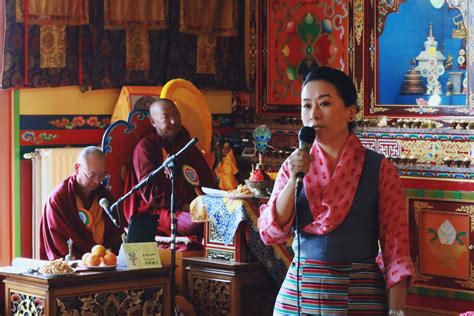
x,y
121,137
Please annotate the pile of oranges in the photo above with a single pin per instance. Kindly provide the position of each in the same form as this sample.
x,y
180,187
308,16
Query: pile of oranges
x,y
99,256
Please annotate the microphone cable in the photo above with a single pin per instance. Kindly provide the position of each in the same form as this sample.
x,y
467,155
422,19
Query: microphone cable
x,y
298,254
306,137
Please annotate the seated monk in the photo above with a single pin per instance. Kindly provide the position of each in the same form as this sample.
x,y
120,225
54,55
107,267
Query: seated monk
x,y
191,171
73,212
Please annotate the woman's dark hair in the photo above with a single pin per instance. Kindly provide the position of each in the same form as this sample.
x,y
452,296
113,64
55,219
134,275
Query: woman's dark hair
x,y
343,84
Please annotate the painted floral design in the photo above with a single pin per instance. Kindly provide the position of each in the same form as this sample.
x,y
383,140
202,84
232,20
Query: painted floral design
x,y
30,136
80,121
308,43
25,304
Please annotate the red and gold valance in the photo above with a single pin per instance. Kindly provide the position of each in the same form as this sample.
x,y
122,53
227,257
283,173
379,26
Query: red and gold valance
x,y
52,17
150,14
209,17
47,12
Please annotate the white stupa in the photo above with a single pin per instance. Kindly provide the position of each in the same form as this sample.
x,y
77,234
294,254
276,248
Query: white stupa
x,y
425,58
431,64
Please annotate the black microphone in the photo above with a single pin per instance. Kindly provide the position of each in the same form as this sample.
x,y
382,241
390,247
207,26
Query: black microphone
x,y
306,138
104,203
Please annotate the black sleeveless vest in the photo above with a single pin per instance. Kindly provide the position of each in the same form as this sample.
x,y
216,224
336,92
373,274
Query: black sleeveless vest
x,y
356,239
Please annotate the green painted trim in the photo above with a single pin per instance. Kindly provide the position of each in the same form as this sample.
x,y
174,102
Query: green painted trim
x,y
440,194
16,173
467,195
455,195
451,294
414,192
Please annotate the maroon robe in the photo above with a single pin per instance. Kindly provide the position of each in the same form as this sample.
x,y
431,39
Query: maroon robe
x,y
60,221
154,198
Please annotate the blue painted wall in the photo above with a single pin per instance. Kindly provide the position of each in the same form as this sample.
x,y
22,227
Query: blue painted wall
x,y
403,39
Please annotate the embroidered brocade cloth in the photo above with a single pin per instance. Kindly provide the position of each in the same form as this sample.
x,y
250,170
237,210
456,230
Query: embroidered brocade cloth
x,y
96,52
206,56
44,12
208,19
137,49
52,46
226,214
137,20
53,17
149,14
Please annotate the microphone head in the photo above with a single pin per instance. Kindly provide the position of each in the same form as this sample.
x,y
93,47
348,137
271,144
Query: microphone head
x,y
104,203
307,135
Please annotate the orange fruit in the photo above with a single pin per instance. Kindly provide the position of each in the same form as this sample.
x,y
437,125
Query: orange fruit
x,y
93,260
110,259
84,257
98,250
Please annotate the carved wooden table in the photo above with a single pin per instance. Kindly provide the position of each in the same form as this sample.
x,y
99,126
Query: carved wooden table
x,y
222,287
117,292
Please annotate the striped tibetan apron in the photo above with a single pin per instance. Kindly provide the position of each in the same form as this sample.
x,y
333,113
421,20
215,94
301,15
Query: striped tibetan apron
x,y
338,273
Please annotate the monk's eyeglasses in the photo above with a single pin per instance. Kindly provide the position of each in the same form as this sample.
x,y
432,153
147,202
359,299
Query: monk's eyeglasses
x,y
93,176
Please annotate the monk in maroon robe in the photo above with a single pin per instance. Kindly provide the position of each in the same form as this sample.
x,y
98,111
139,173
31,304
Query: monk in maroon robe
x,y
192,171
73,212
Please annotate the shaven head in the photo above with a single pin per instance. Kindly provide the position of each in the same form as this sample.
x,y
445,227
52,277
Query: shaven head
x,y
92,152
90,168
165,118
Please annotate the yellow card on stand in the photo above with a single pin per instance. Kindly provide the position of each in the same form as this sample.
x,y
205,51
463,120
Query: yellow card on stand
x,y
141,255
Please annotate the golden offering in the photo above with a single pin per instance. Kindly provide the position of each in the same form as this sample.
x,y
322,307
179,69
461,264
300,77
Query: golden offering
x,y
241,190
56,267
272,175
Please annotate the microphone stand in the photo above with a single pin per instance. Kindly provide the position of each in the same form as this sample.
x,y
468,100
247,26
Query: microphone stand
x,y
145,181
168,163
174,223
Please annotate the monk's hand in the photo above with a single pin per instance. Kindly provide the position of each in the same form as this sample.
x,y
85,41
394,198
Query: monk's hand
x,y
168,172
299,161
